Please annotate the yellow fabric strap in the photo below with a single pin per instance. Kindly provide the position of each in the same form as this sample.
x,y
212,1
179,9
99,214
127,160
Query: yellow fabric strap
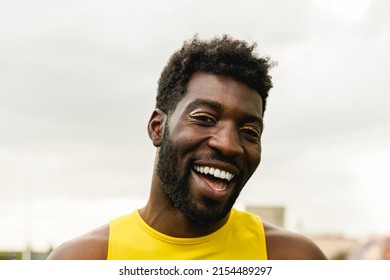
x,y
241,238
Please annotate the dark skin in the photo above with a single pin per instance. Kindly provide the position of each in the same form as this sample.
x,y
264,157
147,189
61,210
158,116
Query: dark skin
x,y
216,114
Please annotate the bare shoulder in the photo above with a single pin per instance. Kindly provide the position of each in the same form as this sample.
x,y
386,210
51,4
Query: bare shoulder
x,y
90,246
286,245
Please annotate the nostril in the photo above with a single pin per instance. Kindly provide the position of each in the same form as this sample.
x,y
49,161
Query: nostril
x,y
226,144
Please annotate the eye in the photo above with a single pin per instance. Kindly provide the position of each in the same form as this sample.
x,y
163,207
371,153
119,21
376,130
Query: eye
x,y
251,133
202,118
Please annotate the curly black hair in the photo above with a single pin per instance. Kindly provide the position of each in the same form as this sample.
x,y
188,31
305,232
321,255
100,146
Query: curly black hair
x,y
222,56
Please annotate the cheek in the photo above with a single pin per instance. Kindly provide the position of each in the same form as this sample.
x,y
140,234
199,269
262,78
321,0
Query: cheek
x,y
179,152
254,158
185,138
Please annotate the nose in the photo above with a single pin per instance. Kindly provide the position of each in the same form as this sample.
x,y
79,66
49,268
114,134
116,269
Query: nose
x,y
226,140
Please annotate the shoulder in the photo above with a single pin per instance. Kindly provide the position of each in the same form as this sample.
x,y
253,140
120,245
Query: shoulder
x,y
286,245
90,246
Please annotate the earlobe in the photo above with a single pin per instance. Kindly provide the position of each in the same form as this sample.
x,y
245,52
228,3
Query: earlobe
x,y
156,127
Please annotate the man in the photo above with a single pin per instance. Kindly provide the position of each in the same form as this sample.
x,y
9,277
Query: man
x,y
207,128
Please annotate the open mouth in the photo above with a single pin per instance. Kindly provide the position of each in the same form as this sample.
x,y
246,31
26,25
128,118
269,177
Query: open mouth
x,y
216,178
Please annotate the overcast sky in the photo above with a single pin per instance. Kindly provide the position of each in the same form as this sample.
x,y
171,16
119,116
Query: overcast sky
x,y
77,86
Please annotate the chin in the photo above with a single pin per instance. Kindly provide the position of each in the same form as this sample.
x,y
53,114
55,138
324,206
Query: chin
x,y
207,212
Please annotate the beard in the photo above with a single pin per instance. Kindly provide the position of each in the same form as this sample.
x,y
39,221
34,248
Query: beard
x,y
175,179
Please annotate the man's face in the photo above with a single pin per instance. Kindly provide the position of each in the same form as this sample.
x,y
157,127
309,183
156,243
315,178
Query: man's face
x,y
211,146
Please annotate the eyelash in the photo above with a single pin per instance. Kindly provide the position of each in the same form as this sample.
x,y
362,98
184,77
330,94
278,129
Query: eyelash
x,y
250,133
204,119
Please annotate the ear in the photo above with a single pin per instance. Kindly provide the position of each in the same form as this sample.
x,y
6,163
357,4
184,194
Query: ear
x,y
156,126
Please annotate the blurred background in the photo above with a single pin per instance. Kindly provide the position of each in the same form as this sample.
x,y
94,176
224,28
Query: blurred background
x,y
77,86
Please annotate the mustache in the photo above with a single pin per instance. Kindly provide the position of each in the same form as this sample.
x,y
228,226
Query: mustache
x,y
215,156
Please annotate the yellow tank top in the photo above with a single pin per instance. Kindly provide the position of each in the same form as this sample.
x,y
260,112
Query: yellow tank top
x,y
241,238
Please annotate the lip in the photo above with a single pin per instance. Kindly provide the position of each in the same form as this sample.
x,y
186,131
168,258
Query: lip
x,y
214,173
220,165
206,190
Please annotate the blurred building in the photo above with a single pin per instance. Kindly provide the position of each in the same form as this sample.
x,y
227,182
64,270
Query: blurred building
x,y
271,214
371,248
334,246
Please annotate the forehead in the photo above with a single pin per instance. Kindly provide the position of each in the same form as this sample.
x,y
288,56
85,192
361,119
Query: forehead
x,y
231,94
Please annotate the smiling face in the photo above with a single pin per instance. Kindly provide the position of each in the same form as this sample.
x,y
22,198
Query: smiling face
x,y
210,147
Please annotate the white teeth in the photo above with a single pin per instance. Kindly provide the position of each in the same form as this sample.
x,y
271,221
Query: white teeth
x,y
218,173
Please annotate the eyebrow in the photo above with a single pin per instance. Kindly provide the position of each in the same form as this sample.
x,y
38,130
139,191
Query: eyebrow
x,y
219,107
206,102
